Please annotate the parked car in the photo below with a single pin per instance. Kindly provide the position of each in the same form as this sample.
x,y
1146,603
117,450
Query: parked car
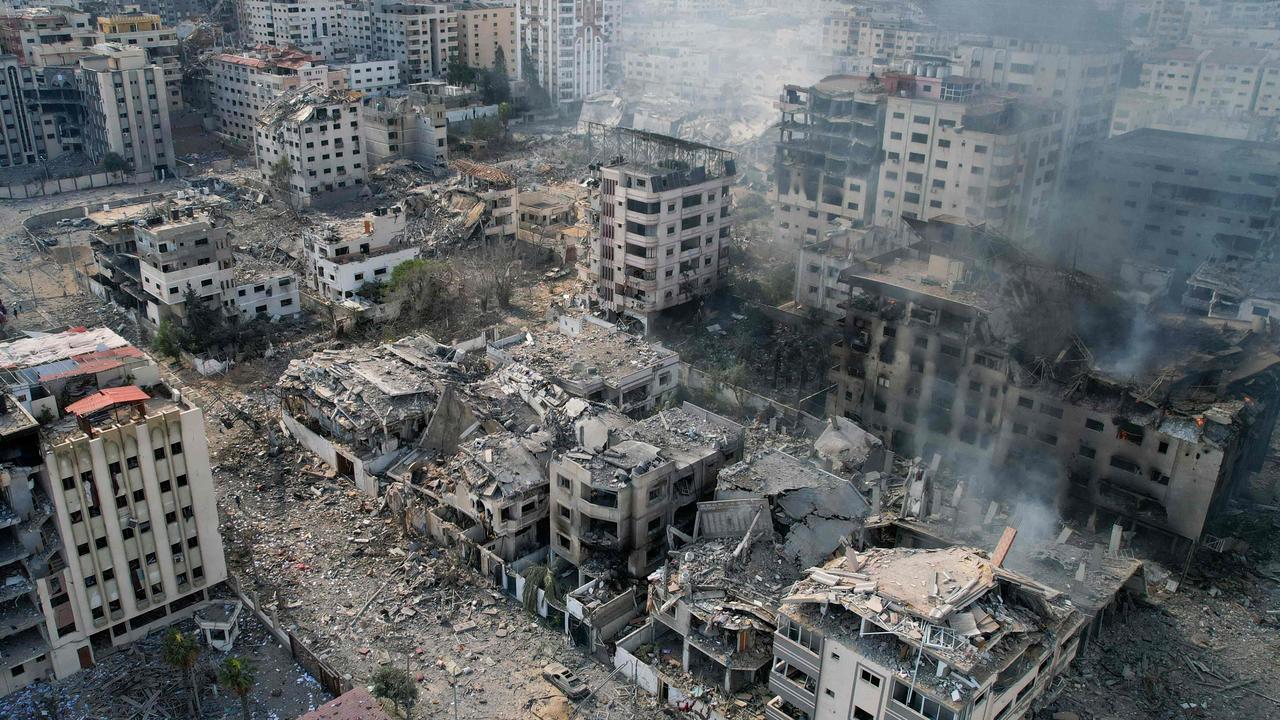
x,y
564,679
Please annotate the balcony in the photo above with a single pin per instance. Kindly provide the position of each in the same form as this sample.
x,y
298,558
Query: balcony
x,y
793,690
795,654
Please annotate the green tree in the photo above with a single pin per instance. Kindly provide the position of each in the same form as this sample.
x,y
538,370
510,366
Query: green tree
x,y
168,340
428,292
205,326
236,675
281,171
181,652
396,685
114,163
460,73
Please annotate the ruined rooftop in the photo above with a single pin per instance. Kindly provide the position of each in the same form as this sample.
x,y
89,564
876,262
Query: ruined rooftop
x,y
302,104
952,605
597,353
361,389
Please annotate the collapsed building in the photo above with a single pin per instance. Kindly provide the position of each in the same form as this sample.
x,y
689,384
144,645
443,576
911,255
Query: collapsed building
x,y
961,345
812,509
592,359
361,410
615,494
496,189
711,612
941,634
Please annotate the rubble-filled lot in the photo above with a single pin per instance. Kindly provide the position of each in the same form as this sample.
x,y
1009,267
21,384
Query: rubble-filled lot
x,y
348,582
133,683
1206,651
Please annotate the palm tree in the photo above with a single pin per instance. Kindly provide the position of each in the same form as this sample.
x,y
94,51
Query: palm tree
x,y
236,675
181,652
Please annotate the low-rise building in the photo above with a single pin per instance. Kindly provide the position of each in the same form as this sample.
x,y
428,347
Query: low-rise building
x,y
307,146
592,359
361,410
264,292
180,252
1243,290
344,257
942,634
549,219
612,500
498,483
48,35
497,189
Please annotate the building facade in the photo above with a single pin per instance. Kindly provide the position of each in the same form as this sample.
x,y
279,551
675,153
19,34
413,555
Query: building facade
x,y
569,44
952,149
242,84
308,146
827,167
664,223
488,35
126,106
161,43
112,527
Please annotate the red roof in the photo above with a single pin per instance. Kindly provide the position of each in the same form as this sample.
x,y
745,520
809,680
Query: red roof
x,y
88,367
106,398
356,704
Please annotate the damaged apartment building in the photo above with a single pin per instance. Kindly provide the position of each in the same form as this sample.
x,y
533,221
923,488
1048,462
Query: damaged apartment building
x,y
941,634
665,221
615,494
959,344
855,152
108,521
149,256
362,409
307,146
591,359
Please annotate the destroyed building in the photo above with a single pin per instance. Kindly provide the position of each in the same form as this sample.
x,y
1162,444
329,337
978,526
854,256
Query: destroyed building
x,y
307,145
940,634
826,168
498,482
496,188
405,128
592,359
241,85
549,219
712,605
615,494
1235,289
148,256
812,510
362,409
961,345
85,573
665,221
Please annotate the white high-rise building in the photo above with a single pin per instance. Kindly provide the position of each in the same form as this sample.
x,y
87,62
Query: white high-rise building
x,y
568,42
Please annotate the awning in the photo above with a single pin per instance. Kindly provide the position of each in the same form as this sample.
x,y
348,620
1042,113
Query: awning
x,y
106,398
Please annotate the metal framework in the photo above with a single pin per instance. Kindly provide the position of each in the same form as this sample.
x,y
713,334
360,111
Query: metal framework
x,y
650,148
